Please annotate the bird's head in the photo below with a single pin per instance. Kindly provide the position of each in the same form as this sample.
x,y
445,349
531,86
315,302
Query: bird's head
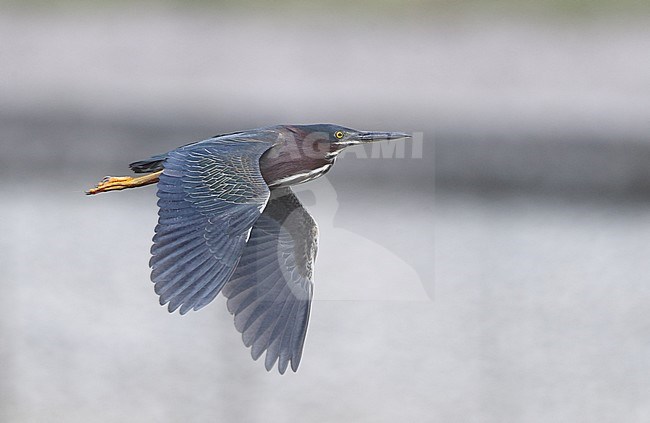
x,y
334,138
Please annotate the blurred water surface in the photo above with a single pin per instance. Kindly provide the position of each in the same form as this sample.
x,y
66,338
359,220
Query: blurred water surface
x,y
539,313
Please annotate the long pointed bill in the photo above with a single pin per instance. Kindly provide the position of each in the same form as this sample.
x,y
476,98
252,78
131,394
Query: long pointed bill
x,y
378,136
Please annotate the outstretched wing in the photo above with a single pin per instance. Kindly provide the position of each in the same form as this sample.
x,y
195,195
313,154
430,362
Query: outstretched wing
x,y
271,290
210,195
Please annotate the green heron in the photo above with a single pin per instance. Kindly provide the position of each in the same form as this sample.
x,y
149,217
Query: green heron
x,y
228,222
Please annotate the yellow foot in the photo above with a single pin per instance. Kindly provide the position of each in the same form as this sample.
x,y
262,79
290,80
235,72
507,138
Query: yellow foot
x,y
115,183
111,183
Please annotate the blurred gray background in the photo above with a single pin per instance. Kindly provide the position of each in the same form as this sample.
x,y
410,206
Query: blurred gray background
x,y
503,276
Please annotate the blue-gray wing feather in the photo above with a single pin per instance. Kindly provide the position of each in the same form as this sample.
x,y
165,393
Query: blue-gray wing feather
x,y
271,290
209,196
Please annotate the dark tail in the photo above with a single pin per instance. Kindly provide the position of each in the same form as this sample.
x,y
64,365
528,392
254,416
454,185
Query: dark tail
x,y
152,164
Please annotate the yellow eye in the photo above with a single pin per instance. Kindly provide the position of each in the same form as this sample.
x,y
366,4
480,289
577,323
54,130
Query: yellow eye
x,y
338,135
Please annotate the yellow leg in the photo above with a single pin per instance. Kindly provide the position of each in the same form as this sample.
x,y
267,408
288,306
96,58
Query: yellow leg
x,y
116,183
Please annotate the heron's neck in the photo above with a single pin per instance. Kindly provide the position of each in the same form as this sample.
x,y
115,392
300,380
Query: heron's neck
x,y
291,163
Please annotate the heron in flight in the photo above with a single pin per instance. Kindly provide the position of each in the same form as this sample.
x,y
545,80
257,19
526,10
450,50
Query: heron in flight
x,y
228,222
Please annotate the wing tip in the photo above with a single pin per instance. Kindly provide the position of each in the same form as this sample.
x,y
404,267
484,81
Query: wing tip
x,y
272,361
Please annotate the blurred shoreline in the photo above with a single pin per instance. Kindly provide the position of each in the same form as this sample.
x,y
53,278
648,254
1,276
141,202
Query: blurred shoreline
x,y
501,104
